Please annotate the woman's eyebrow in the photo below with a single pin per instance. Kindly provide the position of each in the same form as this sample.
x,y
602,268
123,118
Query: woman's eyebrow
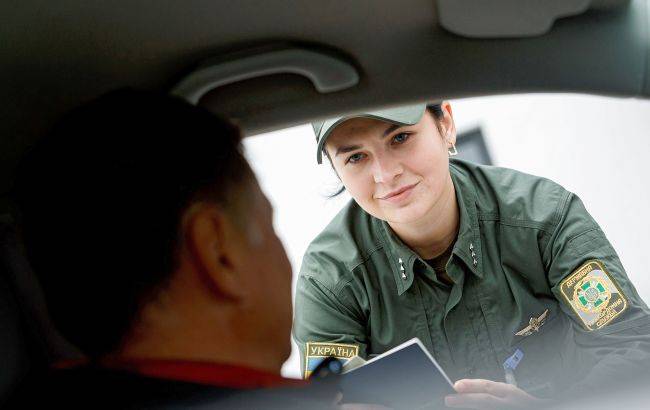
x,y
346,148
390,129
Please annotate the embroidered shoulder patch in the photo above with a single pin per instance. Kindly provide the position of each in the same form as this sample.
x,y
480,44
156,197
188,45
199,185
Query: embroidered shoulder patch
x,y
316,352
593,294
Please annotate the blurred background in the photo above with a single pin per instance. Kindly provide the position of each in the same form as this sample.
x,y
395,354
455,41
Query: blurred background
x,y
594,146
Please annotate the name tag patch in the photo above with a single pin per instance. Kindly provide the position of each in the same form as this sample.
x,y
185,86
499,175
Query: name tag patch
x,y
316,352
593,294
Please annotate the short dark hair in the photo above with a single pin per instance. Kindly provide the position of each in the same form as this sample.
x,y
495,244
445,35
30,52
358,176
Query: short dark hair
x,y
436,110
100,202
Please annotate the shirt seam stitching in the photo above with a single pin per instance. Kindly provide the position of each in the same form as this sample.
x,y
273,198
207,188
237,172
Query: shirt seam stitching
x,y
560,211
571,240
574,237
341,284
546,227
355,264
334,294
524,223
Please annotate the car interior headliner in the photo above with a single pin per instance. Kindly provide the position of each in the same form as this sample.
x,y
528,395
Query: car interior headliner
x,y
55,55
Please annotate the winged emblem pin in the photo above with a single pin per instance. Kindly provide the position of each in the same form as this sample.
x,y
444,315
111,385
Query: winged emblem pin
x,y
533,325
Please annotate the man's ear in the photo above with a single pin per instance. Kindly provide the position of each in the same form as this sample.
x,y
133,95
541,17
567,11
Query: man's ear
x,y
210,241
447,122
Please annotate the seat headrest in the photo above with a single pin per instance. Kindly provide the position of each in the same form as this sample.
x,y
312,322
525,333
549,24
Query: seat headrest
x,y
29,339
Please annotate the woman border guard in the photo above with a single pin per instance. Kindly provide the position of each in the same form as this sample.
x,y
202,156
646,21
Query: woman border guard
x,y
504,276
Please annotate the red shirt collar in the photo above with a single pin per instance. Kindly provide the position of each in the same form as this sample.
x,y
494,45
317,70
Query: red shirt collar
x,y
215,374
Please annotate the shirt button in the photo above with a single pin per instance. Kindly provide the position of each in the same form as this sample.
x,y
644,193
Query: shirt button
x,y
475,262
471,247
471,371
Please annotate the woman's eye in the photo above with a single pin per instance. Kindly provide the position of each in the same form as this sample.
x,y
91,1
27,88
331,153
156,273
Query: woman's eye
x,y
400,138
354,158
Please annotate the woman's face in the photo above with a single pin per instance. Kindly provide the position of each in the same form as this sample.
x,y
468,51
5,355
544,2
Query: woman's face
x,y
394,173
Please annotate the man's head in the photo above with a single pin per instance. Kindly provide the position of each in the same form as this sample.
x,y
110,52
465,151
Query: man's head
x,y
136,197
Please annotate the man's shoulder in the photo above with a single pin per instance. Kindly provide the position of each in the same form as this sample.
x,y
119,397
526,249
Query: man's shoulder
x,y
509,195
345,243
100,388
90,387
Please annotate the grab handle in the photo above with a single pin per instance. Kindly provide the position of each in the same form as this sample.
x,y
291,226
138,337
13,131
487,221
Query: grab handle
x,y
327,73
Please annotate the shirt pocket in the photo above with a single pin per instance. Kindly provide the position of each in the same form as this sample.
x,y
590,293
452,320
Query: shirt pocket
x,y
543,356
549,310
542,369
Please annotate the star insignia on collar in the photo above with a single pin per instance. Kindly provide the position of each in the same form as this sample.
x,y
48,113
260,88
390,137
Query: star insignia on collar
x,y
533,325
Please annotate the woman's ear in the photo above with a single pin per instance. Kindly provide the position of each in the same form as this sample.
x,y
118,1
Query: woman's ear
x,y
210,239
447,122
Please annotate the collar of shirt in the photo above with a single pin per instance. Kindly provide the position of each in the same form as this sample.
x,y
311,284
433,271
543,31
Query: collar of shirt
x,y
467,246
208,373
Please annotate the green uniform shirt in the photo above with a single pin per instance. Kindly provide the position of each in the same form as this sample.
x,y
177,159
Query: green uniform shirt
x,y
531,268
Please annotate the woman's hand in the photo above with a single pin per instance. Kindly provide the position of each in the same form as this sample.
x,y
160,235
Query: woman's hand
x,y
356,406
486,394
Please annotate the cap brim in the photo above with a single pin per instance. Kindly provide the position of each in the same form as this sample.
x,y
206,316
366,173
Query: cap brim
x,y
406,115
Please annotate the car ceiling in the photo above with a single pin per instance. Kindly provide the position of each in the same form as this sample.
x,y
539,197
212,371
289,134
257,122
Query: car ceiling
x,y
55,55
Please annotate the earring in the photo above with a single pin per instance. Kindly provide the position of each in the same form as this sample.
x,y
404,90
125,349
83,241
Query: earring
x,y
453,150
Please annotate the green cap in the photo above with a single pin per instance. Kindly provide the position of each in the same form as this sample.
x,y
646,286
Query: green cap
x,y
406,115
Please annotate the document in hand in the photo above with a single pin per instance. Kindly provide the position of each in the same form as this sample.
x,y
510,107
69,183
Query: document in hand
x,y
405,377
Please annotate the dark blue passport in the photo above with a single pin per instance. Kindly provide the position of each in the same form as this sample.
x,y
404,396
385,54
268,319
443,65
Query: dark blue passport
x,y
405,377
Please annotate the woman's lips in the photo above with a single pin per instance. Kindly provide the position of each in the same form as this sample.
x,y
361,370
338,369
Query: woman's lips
x,y
399,194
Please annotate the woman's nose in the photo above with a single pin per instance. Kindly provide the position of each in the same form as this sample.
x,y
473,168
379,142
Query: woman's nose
x,y
385,169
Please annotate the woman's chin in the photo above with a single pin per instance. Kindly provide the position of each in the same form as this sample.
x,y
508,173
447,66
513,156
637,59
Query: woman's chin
x,y
405,215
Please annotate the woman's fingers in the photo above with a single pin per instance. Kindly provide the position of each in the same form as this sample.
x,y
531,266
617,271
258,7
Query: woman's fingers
x,y
487,394
484,386
362,406
474,401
